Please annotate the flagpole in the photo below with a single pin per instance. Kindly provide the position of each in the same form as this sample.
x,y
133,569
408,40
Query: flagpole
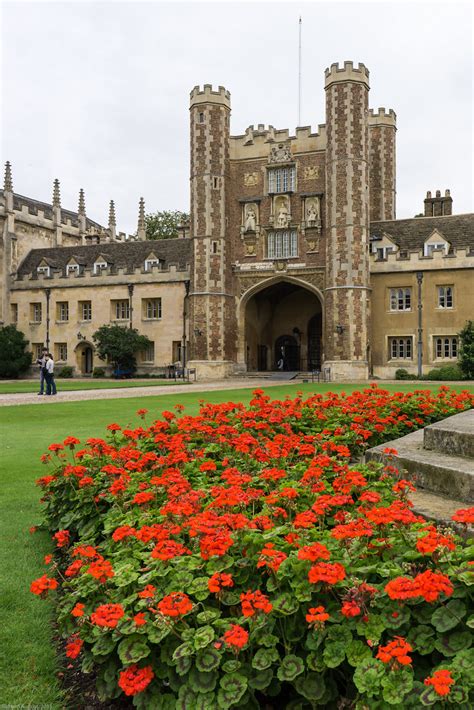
x,y
299,73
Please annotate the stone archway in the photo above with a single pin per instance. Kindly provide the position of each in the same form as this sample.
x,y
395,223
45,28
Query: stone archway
x,y
84,357
281,312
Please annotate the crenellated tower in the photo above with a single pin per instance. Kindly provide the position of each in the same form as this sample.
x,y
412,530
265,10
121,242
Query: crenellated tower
x,y
382,167
211,299
347,218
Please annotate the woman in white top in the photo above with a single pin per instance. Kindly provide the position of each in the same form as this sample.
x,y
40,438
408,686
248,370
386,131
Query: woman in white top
x,y
50,383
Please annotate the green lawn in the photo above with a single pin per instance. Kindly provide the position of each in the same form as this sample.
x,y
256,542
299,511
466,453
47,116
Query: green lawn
x,y
28,666
66,385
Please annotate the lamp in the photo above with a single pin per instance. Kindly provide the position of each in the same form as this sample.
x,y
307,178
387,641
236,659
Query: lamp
x,y
340,329
80,336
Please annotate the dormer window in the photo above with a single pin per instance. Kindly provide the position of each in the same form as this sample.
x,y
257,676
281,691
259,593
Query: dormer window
x,y
72,269
151,262
100,266
43,270
381,252
431,247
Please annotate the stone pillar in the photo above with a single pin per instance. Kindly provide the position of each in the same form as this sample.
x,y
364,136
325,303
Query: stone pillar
x,y
57,223
347,217
7,245
382,167
211,300
141,227
81,214
112,228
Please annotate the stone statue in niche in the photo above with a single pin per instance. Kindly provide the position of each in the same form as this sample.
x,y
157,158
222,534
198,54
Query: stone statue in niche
x,y
313,213
283,217
281,212
280,153
250,224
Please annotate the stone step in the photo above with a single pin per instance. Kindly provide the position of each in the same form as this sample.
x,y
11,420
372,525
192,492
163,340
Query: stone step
x,y
439,509
454,435
436,472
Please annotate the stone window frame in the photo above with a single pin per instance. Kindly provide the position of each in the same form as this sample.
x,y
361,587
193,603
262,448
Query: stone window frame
x,y
43,270
443,344
148,355
445,292
99,267
62,311
430,247
400,347
289,184
36,312
37,350
399,299
14,312
152,308
72,269
288,250
60,351
120,309
82,306
150,263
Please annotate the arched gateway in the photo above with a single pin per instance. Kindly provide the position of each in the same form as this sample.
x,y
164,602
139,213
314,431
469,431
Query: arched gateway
x,y
281,326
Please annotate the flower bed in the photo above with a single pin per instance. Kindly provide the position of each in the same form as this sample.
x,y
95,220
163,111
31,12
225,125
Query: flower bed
x,y
238,559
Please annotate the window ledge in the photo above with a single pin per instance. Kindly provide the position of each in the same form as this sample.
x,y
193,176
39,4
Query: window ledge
x,y
148,319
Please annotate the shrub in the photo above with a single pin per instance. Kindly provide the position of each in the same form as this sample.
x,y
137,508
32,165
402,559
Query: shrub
x,y
402,374
450,373
119,345
98,372
66,372
237,559
14,357
466,351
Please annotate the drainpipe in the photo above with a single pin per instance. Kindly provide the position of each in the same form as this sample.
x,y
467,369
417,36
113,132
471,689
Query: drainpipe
x,y
185,303
130,294
48,295
419,278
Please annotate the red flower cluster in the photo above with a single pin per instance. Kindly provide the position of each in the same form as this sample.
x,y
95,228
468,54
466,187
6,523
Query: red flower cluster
x,y
74,646
316,616
175,604
134,680
218,581
236,637
253,602
429,585
107,615
271,558
62,538
326,572
396,652
433,540
441,681
42,585
464,515
101,569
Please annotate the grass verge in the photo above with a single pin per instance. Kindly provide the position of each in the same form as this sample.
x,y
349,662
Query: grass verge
x,y
66,385
28,666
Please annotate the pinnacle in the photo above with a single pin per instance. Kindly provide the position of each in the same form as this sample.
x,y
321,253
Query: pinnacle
x,y
112,220
8,182
82,203
56,194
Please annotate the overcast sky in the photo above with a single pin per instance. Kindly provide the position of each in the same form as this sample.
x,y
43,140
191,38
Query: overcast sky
x,y
97,93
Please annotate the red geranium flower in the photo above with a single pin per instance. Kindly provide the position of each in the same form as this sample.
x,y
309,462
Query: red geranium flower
x,y
134,680
175,604
236,637
253,602
78,610
316,616
441,681
396,652
350,608
218,581
107,615
73,646
42,585
326,572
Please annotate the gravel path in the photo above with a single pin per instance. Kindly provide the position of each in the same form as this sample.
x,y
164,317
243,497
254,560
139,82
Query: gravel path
x,y
128,392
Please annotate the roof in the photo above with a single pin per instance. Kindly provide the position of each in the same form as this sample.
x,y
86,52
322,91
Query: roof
x,y
126,255
35,206
410,234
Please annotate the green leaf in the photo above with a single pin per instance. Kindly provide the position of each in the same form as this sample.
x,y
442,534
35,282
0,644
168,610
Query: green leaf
x,y
232,688
183,650
450,644
203,637
262,680
371,629
285,604
183,664
133,649
448,616
367,677
158,630
206,701
198,588
290,667
231,666
204,617
334,653
264,658
207,659
470,622
186,698
394,622
315,662
303,591
396,685
311,686
358,652
230,598
104,645
201,681
268,640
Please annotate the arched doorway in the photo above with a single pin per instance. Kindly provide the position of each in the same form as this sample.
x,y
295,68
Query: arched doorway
x,y
85,358
281,312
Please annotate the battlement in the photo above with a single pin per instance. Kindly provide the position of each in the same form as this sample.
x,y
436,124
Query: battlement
x,y
111,275
382,117
409,260
336,74
207,95
254,142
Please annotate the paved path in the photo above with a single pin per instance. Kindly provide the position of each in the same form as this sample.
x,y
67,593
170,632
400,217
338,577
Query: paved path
x,y
127,392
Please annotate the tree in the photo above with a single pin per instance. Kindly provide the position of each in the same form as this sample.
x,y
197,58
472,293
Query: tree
x,y
15,359
164,225
119,345
466,351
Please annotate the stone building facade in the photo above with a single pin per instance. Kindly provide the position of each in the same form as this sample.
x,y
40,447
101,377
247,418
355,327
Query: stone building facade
x,y
295,259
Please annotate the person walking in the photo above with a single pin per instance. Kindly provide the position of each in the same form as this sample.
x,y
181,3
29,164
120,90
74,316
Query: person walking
x,y
50,383
41,361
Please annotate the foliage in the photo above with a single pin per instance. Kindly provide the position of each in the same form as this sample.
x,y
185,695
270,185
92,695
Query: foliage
x,y
14,357
165,224
66,371
119,345
210,561
445,373
402,374
98,372
466,351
